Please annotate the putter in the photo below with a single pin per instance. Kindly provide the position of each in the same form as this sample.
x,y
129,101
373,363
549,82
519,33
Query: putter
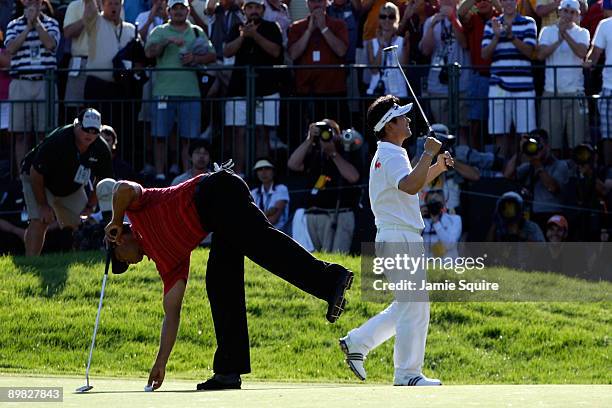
x,y
393,49
87,386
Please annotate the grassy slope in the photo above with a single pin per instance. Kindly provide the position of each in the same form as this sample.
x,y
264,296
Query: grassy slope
x,y
48,306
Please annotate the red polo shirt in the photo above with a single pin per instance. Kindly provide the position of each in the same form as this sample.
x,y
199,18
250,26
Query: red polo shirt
x,y
474,30
166,224
318,52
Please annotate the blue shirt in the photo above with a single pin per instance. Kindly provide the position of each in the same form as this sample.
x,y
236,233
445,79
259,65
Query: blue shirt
x,y
347,14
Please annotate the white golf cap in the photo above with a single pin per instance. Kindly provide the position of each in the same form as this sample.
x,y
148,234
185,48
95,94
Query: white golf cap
x,y
572,4
104,192
260,2
91,119
262,164
172,3
394,112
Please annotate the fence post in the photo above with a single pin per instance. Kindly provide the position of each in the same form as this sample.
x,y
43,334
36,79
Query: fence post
x,y
50,100
251,126
454,73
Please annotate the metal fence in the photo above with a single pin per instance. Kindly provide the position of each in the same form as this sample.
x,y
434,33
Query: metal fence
x,y
131,113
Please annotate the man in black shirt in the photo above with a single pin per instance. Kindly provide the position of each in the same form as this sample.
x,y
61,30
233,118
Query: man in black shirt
x,y
331,203
256,43
55,173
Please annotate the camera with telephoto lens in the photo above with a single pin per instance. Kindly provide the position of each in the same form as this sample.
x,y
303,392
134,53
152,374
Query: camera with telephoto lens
x,y
532,146
583,154
322,130
351,140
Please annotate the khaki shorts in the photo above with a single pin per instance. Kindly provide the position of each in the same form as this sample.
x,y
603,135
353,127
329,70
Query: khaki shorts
x,y
561,114
28,106
67,209
439,108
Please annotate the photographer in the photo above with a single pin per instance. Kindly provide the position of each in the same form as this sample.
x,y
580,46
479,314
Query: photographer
x,y
330,168
442,230
542,176
510,224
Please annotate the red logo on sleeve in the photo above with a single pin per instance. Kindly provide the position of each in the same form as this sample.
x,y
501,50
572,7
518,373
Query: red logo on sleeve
x,y
377,165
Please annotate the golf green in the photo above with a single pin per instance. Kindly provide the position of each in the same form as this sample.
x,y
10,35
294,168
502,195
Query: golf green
x,y
115,392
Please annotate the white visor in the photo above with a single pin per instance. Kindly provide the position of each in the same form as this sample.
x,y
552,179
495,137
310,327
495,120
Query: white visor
x,y
394,112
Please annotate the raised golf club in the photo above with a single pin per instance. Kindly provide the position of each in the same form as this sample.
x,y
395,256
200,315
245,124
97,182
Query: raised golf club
x,y
87,386
393,49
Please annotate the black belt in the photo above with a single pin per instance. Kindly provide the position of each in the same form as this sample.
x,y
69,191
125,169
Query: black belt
x,y
330,211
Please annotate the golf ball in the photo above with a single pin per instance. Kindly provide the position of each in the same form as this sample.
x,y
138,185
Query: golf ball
x,y
148,388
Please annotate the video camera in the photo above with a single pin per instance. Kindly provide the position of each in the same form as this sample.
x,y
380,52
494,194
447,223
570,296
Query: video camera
x,y
351,140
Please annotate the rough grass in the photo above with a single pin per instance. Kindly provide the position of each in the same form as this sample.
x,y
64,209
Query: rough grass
x,y
48,307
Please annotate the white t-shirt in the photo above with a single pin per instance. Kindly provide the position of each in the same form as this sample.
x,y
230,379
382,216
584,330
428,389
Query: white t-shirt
x,y
568,79
109,40
142,18
390,205
603,39
79,46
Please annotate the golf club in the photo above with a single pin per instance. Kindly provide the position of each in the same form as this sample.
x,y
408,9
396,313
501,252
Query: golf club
x,y
393,49
88,387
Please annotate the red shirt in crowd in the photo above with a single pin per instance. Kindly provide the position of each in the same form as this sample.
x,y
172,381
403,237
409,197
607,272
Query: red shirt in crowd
x,y
318,52
167,226
592,17
474,30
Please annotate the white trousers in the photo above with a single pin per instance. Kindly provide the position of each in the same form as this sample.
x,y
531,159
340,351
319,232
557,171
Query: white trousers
x,y
407,320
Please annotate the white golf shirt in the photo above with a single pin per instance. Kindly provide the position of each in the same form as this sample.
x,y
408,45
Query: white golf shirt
x,y
391,206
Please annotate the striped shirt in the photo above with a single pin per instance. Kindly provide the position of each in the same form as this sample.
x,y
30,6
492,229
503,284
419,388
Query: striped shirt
x,y
32,56
510,69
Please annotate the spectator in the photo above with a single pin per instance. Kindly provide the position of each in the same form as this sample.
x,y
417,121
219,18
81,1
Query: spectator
x,y
271,198
199,154
5,80
31,41
593,16
107,34
547,11
543,178
527,8
198,14
510,224
474,14
224,16
330,205
176,93
7,11
256,43
556,229
386,80
121,169
349,11
132,8
444,40
278,11
442,230
564,43
55,172
413,19
77,13
318,40
148,20
602,41
510,40
372,8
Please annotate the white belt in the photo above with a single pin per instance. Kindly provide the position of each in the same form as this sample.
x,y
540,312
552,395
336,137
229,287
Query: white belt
x,y
398,227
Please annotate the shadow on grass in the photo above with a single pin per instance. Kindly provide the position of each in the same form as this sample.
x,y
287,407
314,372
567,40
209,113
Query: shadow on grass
x,y
214,391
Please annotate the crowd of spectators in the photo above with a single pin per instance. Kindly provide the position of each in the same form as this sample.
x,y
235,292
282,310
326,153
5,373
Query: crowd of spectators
x,y
517,118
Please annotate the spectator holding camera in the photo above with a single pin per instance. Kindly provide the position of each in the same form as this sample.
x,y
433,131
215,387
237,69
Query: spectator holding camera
x,y
199,156
509,222
445,41
271,198
509,41
564,43
544,179
177,92
256,43
442,230
385,78
331,171
31,40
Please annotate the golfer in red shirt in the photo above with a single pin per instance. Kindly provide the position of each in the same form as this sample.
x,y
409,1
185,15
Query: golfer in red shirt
x,y
168,223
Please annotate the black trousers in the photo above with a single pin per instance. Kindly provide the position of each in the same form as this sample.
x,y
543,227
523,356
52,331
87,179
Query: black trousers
x,y
241,229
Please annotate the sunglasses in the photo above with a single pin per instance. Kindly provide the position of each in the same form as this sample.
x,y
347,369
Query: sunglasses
x,y
387,16
91,131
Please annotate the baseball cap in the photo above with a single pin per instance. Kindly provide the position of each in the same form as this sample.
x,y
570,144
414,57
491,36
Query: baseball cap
x,y
260,2
91,119
558,220
172,3
262,164
119,267
395,111
572,4
104,192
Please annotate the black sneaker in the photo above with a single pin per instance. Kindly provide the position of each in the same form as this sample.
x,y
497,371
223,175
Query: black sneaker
x,y
221,382
337,302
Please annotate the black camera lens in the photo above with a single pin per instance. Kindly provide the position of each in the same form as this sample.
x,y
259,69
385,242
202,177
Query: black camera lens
x,y
531,147
325,131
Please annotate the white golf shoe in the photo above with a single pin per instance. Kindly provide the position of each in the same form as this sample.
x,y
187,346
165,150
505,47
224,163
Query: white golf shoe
x,y
354,359
416,380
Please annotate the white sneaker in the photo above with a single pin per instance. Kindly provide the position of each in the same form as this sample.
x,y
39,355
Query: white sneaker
x,y
353,358
416,380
